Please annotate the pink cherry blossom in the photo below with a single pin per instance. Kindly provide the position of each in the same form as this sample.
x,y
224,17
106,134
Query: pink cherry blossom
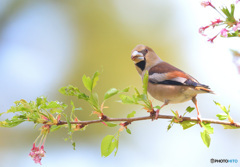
x,y
236,27
237,1
211,39
207,3
224,32
37,153
202,29
214,23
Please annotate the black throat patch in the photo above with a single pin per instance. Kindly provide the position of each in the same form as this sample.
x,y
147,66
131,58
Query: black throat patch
x,y
141,65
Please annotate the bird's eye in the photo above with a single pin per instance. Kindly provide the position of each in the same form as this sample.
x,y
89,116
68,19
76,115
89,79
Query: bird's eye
x,y
146,50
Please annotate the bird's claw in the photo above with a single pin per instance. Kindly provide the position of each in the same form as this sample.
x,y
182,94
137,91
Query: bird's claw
x,y
157,114
154,114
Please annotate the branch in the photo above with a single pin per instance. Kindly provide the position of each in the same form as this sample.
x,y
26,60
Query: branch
x,y
130,120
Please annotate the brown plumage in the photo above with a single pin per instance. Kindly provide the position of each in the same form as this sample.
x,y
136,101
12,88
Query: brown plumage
x,y
166,82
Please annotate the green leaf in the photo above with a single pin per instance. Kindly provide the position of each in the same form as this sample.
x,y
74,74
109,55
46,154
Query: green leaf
x,y
111,92
83,96
125,89
131,114
188,124
74,145
90,83
14,109
109,143
62,90
22,105
157,107
93,100
230,127
144,97
136,98
73,111
110,124
170,124
68,122
127,99
16,120
73,107
53,104
95,78
55,107
128,131
222,116
223,108
205,134
206,138
87,82
226,11
190,109
69,90
117,141
233,34
230,20
145,83
137,92
146,101
176,115
41,100
232,9
207,127
54,128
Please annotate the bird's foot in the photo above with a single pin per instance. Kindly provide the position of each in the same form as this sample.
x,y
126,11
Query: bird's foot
x,y
154,114
157,113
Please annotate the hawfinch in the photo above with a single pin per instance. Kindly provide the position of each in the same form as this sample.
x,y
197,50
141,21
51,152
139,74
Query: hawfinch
x,y
166,83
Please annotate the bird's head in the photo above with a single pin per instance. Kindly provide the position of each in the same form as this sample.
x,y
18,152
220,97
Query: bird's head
x,y
143,57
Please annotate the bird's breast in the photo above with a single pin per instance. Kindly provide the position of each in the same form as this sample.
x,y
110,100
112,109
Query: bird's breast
x,y
172,93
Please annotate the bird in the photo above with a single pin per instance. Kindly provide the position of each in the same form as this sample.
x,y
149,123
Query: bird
x,y
166,83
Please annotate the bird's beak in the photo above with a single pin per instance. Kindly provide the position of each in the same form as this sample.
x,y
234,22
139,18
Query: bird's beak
x,y
137,56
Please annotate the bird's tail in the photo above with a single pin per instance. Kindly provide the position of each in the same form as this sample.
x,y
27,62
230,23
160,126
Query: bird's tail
x,y
204,88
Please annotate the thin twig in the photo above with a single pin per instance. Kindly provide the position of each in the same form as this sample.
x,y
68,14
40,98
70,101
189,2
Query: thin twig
x,y
149,117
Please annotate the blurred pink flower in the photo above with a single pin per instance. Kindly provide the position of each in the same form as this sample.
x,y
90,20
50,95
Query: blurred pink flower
x,y
211,39
237,26
37,153
214,23
207,3
202,29
224,32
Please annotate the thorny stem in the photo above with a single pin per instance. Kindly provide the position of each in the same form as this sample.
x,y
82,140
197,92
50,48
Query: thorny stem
x,y
108,119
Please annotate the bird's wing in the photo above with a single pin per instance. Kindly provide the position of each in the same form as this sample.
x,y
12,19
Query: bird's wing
x,y
164,73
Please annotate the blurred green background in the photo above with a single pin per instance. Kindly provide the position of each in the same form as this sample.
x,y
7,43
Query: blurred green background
x,y
47,44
